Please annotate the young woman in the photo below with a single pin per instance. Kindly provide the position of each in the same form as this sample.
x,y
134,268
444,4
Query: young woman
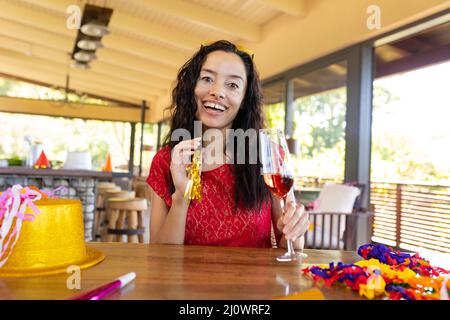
x,y
219,86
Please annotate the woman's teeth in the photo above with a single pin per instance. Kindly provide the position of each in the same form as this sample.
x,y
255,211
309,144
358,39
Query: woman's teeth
x,y
214,106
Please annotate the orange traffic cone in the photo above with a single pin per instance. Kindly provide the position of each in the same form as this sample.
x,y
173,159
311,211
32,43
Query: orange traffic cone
x,y
42,162
107,167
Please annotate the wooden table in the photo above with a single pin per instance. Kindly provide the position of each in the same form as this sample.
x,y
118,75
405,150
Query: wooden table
x,y
186,272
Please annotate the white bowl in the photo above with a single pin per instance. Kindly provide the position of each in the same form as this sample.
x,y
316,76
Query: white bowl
x,y
78,161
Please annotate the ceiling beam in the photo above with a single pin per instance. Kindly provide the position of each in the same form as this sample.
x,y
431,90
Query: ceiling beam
x,y
88,75
412,45
110,56
125,22
296,8
32,75
40,19
100,87
145,50
390,52
79,88
56,26
77,81
137,63
35,36
151,30
137,77
72,110
60,58
206,17
53,46
419,60
33,50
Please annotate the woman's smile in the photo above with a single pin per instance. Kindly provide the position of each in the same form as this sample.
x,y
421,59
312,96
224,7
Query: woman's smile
x,y
214,108
220,89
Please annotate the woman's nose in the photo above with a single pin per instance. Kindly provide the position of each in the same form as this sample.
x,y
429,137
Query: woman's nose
x,y
217,91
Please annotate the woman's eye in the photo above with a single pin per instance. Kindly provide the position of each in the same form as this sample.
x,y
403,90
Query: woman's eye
x,y
233,85
206,78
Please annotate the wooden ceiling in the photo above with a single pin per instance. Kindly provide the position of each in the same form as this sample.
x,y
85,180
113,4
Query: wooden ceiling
x,y
149,41
426,48
417,51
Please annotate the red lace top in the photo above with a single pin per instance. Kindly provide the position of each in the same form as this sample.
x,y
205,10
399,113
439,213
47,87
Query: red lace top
x,y
214,220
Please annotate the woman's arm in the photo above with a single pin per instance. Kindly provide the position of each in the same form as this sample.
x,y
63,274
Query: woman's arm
x,y
168,226
292,225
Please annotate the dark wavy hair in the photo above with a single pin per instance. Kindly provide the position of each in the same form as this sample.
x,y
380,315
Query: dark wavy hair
x,y
251,191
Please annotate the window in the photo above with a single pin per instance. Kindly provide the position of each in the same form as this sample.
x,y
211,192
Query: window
x,y
410,165
377,111
149,146
20,89
320,99
165,129
274,105
60,135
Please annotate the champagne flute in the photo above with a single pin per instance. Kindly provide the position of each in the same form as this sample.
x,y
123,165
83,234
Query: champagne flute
x,y
278,174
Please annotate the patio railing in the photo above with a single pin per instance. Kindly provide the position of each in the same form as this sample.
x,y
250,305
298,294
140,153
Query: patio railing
x,y
410,216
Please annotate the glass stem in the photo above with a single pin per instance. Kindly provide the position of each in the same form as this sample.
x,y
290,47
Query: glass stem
x,y
289,244
290,247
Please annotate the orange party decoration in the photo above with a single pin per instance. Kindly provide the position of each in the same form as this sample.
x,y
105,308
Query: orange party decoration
x,y
42,162
107,167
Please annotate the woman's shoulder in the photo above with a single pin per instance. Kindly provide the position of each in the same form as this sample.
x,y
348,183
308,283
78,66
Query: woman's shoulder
x,y
162,155
161,161
159,175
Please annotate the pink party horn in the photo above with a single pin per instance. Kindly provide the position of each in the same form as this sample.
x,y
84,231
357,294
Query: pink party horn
x,y
102,291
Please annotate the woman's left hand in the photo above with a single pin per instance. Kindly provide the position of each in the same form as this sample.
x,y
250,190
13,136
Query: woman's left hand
x,y
294,222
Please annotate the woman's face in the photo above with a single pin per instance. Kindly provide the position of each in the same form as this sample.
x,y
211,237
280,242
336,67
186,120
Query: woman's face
x,y
220,89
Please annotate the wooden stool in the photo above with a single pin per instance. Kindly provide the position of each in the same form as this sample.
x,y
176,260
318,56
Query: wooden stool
x,y
100,206
100,201
108,195
104,184
125,217
123,194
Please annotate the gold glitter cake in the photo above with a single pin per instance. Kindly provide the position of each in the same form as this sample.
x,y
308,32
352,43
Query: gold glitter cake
x,y
52,242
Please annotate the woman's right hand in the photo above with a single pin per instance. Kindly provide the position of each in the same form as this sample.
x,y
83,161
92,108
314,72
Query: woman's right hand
x,y
181,157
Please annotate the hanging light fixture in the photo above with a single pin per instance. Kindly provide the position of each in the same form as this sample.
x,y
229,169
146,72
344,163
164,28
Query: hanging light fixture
x,y
87,44
84,56
81,65
94,29
94,25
